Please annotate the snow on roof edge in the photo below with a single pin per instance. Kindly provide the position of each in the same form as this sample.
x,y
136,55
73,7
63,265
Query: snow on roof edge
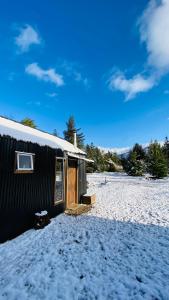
x,y
28,134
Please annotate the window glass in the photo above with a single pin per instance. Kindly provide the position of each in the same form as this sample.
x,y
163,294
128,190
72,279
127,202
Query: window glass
x,y
25,162
59,181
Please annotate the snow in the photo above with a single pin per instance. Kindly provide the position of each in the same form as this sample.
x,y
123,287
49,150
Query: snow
x,y
28,134
41,214
118,250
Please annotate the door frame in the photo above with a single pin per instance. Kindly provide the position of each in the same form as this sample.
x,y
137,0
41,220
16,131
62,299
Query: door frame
x,y
64,187
67,179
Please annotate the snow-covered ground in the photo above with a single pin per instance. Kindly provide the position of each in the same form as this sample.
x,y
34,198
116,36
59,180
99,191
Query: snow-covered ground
x,y
119,250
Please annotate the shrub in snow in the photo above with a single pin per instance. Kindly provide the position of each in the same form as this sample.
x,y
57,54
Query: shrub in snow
x,y
134,166
156,161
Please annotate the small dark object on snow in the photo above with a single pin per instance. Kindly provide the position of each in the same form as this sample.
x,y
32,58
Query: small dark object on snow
x,y
41,220
151,177
76,241
138,279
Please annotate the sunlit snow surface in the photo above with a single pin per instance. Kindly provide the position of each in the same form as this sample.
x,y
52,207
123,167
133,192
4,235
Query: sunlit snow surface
x,y
119,250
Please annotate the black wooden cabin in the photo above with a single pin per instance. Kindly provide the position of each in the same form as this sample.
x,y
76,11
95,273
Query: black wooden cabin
x,y
36,176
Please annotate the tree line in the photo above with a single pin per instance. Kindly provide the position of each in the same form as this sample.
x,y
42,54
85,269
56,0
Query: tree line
x,y
102,161
153,160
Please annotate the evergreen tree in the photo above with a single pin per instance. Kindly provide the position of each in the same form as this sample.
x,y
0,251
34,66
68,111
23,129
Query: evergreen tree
x,y
112,161
97,155
124,163
134,166
156,161
102,161
69,133
28,122
90,167
166,150
140,152
55,133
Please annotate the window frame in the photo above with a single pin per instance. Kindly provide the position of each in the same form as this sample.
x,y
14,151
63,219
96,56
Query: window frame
x,y
24,170
62,159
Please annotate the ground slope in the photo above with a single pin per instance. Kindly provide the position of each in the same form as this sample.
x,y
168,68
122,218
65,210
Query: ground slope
x,y
119,250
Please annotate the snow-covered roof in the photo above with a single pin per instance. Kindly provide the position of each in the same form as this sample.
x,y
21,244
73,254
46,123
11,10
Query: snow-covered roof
x,y
28,134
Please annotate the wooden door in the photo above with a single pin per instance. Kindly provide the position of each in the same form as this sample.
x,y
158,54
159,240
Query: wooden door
x,y
72,183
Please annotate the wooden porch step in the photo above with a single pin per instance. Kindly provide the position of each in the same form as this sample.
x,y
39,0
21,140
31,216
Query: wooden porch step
x,y
89,199
77,209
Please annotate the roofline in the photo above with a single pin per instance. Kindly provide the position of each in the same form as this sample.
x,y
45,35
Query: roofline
x,y
40,131
33,128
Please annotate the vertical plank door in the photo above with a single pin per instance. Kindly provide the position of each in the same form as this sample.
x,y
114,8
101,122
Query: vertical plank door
x,y
72,183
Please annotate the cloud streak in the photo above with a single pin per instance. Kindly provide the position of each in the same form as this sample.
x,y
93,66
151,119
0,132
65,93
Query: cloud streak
x,y
28,36
48,75
153,28
51,95
72,71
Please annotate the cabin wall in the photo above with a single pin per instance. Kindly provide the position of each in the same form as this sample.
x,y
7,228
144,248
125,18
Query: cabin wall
x,y
82,181
21,195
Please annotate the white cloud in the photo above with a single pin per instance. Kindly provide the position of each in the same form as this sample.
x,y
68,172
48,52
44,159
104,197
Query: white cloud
x,y
51,95
48,75
125,150
154,26
131,87
79,78
115,150
72,71
27,37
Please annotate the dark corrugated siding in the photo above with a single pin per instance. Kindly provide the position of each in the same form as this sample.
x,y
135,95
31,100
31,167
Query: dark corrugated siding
x,y
23,194
82,187
30,191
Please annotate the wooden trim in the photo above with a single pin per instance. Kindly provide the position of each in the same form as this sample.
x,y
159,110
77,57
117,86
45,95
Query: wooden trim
x,y
63,200
19,171
54,183
65,180
77,183
58,202
26,153
67,166
23,171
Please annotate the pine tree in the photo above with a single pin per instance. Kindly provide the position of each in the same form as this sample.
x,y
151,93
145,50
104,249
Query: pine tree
x,y
134,166
156,161
112,161
69,133
55,133
166,150
28,122
140,152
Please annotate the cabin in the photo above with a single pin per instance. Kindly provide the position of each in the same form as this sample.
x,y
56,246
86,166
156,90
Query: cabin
x,y
38,172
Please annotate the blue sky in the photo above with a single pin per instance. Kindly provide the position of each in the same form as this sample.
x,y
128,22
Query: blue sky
x,y
105,62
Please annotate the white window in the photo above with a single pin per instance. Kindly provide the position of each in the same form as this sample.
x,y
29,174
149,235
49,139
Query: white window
x,y
24,161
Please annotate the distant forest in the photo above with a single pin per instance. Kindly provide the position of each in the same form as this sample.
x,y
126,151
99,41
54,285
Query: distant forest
x,y
153,160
